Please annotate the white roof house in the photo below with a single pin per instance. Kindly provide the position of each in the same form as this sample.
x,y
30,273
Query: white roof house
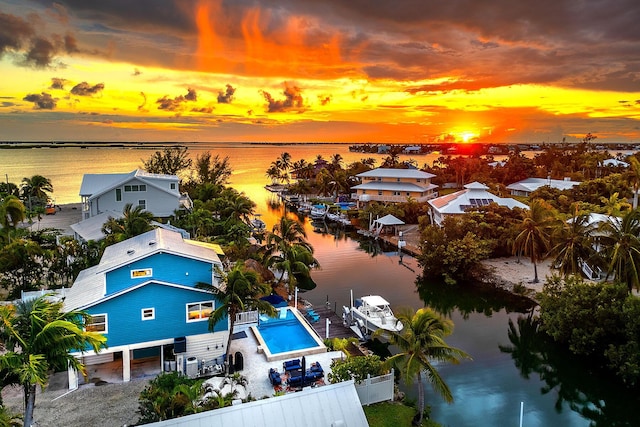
x,y
615,163
527,186
330,405
156,193
474,195
395,185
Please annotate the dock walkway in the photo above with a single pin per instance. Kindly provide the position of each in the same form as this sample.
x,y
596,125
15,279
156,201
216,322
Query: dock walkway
x,y
336,328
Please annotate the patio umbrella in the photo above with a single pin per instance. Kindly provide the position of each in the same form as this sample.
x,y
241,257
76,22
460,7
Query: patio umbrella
x,y
304,370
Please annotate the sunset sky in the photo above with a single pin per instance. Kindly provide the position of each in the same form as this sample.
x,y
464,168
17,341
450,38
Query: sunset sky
x,y
320,70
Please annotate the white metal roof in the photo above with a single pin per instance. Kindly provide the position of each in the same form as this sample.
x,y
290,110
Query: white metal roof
x,y
532,184
396,173
97,184
389,220
330,405
91,228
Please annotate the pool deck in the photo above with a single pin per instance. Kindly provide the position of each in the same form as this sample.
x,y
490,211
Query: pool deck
x,y
256,365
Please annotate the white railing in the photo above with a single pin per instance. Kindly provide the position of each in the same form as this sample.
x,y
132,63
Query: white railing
x,y
247,317
593,273
376,389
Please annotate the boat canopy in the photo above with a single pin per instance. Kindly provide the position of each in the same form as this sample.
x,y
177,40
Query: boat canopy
x,y
374,300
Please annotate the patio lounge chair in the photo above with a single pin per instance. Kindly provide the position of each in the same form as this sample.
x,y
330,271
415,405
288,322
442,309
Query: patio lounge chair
x,y
274,377
291,365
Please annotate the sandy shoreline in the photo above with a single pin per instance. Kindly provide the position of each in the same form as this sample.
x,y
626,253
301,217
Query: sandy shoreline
x,y
519,271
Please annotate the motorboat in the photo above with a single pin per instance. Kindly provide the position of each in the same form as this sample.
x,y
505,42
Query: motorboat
x,y
318,211
370,313
257,224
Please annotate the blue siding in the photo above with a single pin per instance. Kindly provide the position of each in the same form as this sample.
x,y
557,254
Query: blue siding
x,y
125,324
166,268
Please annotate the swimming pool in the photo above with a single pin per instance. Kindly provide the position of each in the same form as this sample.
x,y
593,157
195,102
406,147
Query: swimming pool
x,y
287,335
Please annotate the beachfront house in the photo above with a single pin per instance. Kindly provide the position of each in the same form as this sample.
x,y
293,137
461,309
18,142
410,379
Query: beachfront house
x,y
394,185
142,296
156,193
474,195
527,186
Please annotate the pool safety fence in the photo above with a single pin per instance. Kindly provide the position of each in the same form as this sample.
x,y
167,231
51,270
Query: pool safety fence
x,y
376,389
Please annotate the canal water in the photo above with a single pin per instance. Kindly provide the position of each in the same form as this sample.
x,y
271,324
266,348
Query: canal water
x,y
487,390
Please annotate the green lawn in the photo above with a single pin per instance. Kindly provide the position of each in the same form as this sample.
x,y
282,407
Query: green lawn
x,y
392,414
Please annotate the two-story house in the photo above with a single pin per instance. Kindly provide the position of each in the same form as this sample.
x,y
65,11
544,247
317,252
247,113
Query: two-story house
x,y
395,185
142,296
156,193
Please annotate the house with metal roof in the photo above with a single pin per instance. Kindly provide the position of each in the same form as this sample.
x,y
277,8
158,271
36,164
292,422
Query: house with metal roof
x,y
156,193
474,195
142,296
394,185
527,186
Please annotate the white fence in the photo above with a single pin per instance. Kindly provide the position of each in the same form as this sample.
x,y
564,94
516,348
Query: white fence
x,y
376,389
246,317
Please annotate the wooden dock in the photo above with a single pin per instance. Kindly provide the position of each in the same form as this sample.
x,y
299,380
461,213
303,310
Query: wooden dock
x,y
336,328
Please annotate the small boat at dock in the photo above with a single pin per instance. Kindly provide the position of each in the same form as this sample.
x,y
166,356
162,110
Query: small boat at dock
x,y
370,313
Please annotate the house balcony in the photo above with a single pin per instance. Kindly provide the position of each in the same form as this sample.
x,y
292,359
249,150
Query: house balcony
x,y
186,202
391,199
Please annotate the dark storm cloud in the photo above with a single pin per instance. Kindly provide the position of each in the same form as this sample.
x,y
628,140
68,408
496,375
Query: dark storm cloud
x,y
227,96
57,83
157,14
293,100
41,53
191,95
85,89
176,104
14,32
583,44
42,101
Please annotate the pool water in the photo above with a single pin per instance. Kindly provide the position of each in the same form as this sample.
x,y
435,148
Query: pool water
x,y
285,335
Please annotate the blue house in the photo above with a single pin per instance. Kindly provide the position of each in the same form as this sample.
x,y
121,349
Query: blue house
x,y
142,296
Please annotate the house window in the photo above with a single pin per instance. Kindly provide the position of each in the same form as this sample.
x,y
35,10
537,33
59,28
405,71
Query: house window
x,y
148,313
173,185
97,323
118,194
418,180
396,193
142,204
379,192
408,194
141,272
397,179
127,188
379,179
199,311
143,187
136,188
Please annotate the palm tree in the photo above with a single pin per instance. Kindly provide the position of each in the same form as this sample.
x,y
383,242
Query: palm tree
x,y
241,290
421,341
36,188
134,222
239,208
38,337
620,243
12,212
573,244
296,261
534,237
